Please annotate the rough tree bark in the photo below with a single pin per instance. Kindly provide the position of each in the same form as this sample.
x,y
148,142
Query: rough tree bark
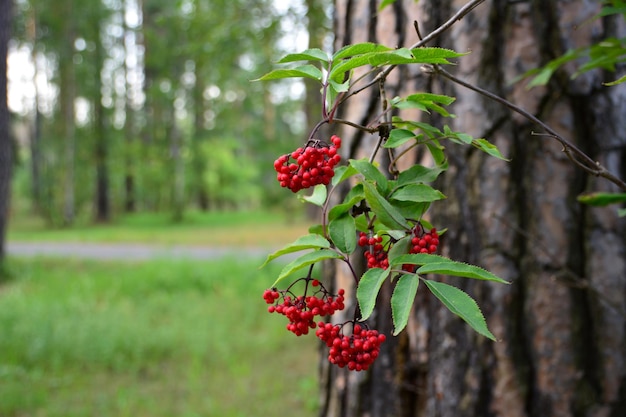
x,y
6,150
561,325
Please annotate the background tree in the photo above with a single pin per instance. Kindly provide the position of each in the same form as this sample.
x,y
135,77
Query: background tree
x,y
6,148
561,325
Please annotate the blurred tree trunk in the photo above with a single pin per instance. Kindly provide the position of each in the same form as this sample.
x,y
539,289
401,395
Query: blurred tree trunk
x,y
130,171
102,197
67,94
35,128
6,149
561,325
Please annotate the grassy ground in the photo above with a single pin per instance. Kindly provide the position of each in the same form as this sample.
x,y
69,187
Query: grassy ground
x,y
159,338
259,229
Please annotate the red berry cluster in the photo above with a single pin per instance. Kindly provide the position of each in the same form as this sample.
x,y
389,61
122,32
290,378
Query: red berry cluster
x,y
424,242
309,166
357,352
302,310
376,256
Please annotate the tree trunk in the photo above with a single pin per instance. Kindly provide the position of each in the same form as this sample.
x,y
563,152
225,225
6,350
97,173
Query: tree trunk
x,y
561,325
6,149
67,94
102,198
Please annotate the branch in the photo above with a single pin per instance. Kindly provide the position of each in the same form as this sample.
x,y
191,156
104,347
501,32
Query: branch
x,y
441,29
574,153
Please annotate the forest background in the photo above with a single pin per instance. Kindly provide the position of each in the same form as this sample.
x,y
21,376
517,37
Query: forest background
x,y
150,107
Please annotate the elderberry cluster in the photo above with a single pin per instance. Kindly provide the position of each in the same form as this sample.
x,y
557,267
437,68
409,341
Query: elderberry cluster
x,y
309,166
302,310
377,254
357,351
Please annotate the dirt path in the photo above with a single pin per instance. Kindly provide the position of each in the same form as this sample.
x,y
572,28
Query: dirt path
x,y
114,251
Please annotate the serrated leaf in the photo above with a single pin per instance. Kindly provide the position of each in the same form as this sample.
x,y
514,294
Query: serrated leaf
x,y
488,147
343,208
434,55
359,49
313,54
342,173
304,261
318,197
342,231
370,173
602,199
389,57
401,247
398,137
418,193
310,241
402,301
368,288
420,174
461,304
435,264
385,212
304,71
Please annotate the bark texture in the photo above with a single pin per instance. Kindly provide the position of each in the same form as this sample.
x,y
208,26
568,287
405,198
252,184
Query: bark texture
x,y
561,325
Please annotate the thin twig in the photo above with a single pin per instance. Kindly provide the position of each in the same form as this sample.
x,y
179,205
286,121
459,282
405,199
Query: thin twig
x,y
434,34
574,153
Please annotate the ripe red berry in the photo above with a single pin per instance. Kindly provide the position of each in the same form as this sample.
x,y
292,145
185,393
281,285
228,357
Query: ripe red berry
x,y
308,166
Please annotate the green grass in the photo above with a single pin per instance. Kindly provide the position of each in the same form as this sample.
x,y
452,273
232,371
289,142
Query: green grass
x,y
259,228
159,338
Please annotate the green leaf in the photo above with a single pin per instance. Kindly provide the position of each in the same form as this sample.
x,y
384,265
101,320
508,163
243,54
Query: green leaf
x,y
418,193
304,71
370,173
313,54
368,288
310,241
385,212
436,264
398,137
392,57
402,301
434,55
343,208
304,261
620,80
488,147
318,197
359,49
425,102
436,150
401,247
342,231
342,173
420,174
384,4
602,199
461,304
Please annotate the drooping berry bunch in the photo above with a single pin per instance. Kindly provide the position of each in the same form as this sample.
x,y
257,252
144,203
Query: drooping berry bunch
x,y
302,310
309,166
357,351
376,255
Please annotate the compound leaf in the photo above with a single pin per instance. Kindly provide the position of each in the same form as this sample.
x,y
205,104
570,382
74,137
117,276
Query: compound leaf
x,y
435,264
402,301
310,241
368,288
385,212
461,304
342,231
304,261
